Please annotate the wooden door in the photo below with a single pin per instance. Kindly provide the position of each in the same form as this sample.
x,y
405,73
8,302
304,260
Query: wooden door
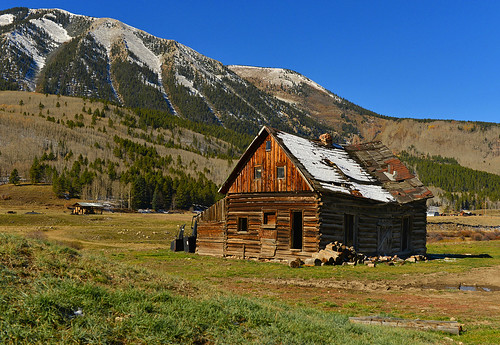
x,y
268,235
384,229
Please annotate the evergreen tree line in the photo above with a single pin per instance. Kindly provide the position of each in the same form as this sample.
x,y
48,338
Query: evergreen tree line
x,y
160,119
148,183
464,187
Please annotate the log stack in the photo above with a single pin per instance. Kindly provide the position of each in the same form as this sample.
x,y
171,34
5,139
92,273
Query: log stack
x,y
336,253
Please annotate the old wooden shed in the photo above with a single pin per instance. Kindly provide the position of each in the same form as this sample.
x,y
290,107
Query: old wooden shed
x,y
87,208
288,197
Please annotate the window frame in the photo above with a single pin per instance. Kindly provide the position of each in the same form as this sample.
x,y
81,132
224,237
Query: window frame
x,y
265,219
268,145
284,172
241,221
255,169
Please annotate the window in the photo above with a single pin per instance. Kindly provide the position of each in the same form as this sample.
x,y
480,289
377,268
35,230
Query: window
x,y
242,224
280,172
405,233
349,231
257,172
269,219
268,145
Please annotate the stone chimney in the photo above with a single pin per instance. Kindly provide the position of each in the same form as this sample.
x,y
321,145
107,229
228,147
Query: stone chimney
x,y
326,139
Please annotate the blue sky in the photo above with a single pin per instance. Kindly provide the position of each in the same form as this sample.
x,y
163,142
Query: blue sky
x,y
422,59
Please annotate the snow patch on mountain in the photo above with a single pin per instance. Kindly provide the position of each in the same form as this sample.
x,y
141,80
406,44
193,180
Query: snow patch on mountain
x,y
6,19
109,30
56,32
281,76
106,31
27,45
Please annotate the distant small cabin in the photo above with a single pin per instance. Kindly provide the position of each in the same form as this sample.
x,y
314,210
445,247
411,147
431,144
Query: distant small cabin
x,y
288,197
87,208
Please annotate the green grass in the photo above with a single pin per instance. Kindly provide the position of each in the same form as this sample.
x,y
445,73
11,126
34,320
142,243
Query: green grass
x,y
190,265
43,284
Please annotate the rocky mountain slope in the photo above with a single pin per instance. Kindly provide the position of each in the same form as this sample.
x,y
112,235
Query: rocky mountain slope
x,y
473,144
97,151
55,52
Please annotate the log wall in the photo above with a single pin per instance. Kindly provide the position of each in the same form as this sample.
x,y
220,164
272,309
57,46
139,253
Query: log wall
x,y
211,226
268,241
378,227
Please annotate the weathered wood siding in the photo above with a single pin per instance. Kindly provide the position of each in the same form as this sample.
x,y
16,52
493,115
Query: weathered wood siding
x,y
268,161
378,227
211,226
265,241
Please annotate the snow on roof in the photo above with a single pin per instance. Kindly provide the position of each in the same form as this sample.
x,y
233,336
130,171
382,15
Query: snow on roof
x,y
6,19
89,204
334,169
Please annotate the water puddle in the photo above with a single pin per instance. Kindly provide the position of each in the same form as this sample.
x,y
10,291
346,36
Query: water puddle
x,y
469,288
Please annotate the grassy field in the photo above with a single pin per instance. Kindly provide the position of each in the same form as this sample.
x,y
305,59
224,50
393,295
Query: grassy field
x,y
132,289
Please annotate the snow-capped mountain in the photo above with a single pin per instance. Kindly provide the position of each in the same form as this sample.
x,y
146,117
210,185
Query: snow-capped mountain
x,y
57,52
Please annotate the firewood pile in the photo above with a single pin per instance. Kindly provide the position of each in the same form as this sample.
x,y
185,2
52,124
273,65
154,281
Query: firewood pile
x,y
336,253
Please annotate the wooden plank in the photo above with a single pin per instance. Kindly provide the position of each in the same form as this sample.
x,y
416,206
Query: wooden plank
x,y
452,327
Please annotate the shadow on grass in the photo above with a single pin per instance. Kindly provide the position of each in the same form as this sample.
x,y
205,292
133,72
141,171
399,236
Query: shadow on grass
x,y
457,256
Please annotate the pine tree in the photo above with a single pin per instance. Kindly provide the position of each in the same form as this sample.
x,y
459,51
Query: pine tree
x,y
36,171
158,202
139,193
14,177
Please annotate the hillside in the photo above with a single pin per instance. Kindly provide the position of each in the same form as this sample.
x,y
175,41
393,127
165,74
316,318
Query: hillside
x,y
57,52
473,144
102,150
221,108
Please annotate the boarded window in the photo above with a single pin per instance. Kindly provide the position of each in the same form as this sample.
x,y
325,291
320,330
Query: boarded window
x,y
257,172
280,172
269,219
349,230
406,233
268,145
242,224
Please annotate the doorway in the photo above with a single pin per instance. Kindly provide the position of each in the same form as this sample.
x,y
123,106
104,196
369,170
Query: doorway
x,y
296,235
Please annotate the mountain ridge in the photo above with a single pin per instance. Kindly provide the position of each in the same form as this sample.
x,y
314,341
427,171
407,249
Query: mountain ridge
x,y
53,51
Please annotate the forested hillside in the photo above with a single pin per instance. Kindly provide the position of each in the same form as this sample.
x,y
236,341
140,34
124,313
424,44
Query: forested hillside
x,y
475,145
57,52
95,150
464,188
174,120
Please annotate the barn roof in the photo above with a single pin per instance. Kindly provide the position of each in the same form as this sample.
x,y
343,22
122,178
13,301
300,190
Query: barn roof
x,y
368,171
88,204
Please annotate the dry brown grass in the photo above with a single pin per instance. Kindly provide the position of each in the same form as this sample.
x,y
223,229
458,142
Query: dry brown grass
x,y
492,218
28,196
25,133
